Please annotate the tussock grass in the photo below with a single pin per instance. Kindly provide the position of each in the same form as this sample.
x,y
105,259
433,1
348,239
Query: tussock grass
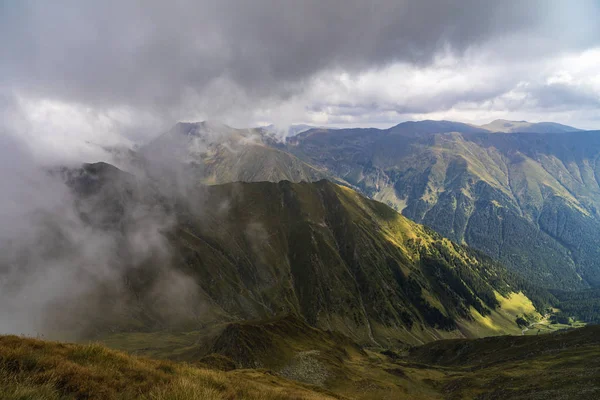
x,y
36,369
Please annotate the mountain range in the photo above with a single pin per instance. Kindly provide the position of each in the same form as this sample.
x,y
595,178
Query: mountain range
x,y
529,199
319,250
347,263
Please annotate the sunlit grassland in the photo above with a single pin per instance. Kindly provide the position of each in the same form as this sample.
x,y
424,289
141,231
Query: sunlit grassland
x,y
41,370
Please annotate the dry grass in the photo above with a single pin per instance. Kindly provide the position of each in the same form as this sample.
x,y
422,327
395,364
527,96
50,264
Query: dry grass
x,y
41,370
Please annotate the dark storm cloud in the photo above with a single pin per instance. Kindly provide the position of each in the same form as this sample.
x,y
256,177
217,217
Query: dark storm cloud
x,y
154,54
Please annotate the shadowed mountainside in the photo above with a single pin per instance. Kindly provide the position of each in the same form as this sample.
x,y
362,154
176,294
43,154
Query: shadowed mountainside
x,y
561,365
529,200
318,250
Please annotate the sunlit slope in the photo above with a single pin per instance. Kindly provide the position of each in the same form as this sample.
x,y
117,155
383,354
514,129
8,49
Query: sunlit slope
x,y
317,250
530,200
341,261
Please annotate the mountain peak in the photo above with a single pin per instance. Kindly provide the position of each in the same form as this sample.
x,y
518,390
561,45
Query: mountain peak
x,y
194,128
431,127
290,130
507,126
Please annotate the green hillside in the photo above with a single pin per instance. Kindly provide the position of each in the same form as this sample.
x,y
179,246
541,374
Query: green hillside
x,y
41,370
530,201
563,365
213,153
320,251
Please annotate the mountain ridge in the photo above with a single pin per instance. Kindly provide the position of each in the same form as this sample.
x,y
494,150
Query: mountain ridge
x,y
458,183
318,250
507,126
454,177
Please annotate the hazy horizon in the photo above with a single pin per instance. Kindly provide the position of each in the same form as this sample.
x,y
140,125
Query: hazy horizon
x,y
116,73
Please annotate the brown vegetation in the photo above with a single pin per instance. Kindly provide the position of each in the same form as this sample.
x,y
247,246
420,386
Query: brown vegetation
x,y
41,370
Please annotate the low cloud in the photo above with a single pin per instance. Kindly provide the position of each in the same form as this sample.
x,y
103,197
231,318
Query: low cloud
x,y
82,257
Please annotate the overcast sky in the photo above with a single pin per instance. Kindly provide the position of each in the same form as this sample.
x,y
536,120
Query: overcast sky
x,y
79,72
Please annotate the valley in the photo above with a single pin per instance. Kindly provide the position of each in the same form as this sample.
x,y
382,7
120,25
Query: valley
x,y
235,283
300,200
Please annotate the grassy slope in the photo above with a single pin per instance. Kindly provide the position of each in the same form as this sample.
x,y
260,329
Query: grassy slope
x,y
344,263
36,369
318,250
563,365
502,194
290,348
502,320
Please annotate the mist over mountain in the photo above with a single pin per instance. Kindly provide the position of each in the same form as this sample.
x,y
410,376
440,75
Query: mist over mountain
x,y
293,276
475,187
291,130
211,153
212,254
334,216
507,195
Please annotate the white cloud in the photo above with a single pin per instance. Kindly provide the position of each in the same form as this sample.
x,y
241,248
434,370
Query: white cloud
x,y
78,84
472,88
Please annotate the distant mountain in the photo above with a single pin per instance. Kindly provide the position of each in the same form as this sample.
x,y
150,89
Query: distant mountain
x,y
289,131
316,250
212,153
428,127
502,125
531,201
